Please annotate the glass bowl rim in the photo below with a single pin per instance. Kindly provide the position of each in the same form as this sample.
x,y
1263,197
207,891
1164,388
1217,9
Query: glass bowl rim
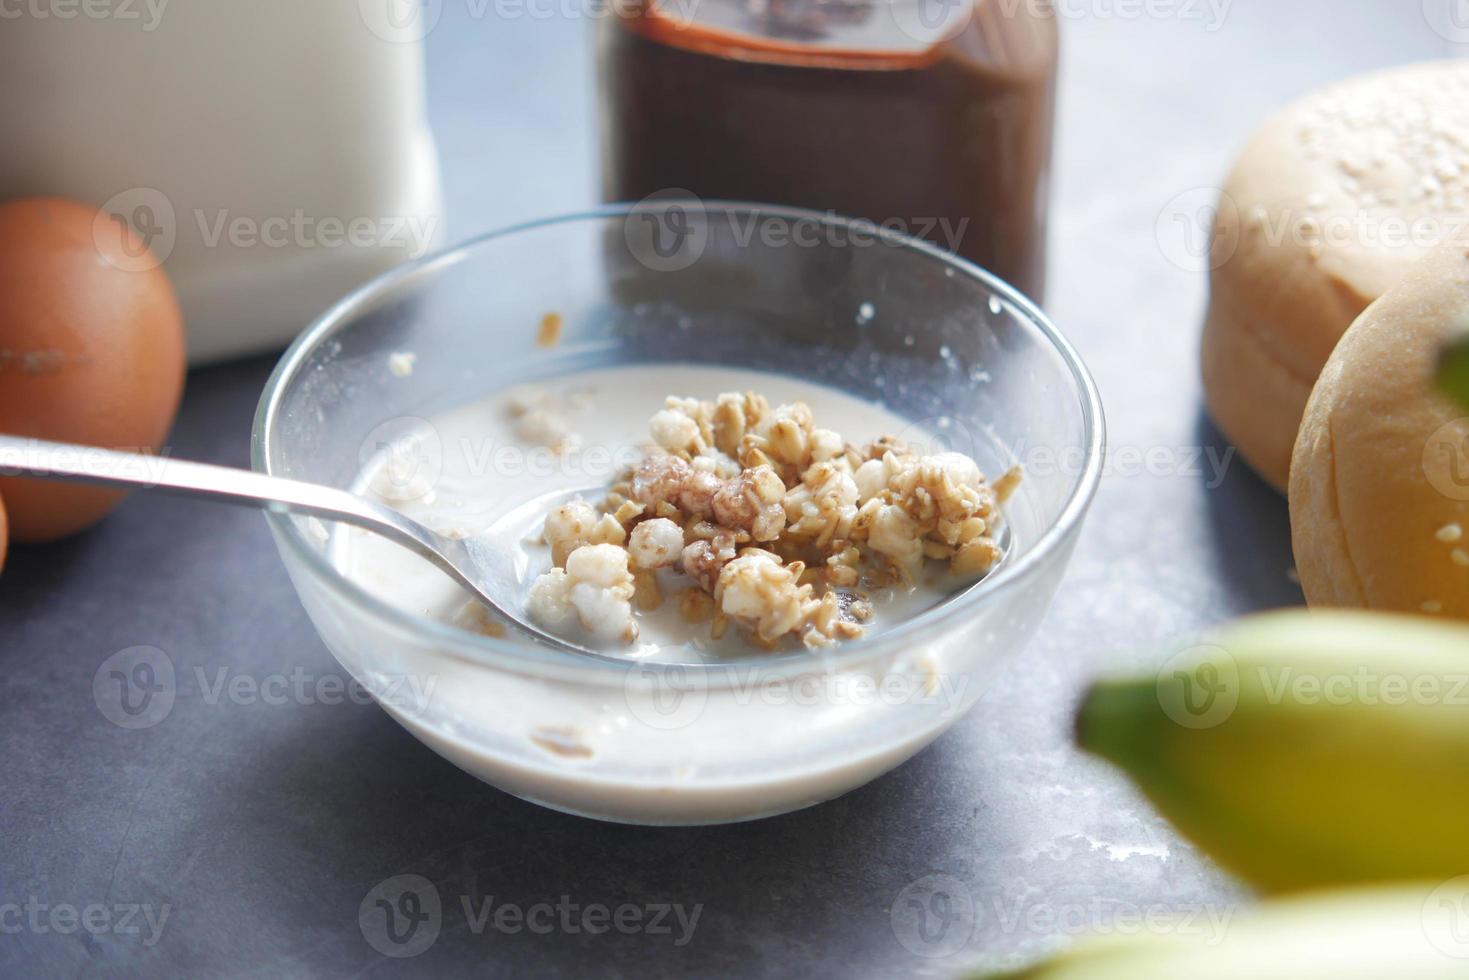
x,y
486,651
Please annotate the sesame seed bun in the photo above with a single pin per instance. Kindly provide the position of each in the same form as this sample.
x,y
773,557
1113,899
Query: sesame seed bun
x,y
1379,487
1333,202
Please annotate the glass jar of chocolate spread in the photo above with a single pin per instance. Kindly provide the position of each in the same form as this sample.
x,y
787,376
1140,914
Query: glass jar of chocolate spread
x,y
932,117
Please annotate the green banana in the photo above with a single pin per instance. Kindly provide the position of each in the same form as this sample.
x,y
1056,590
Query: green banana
x,y
1304,749
1407,932
1453,369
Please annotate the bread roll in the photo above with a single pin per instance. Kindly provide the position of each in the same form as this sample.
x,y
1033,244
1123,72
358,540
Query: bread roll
x,y
1332,203
1379,486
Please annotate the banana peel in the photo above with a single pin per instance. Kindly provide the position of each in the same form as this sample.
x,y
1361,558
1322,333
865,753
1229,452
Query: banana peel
x,y
1453,369
1304,749
1415,931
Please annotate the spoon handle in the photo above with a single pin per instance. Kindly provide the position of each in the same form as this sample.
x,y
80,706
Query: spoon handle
x,y
224,484
486,573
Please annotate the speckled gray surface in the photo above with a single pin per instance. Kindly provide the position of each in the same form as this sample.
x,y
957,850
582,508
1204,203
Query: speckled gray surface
x,y
252,829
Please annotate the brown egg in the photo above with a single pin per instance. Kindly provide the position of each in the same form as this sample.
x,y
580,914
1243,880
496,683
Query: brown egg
x,y
91,350
4,535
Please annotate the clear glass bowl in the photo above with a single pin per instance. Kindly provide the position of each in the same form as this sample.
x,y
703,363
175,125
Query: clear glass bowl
x,y
882,317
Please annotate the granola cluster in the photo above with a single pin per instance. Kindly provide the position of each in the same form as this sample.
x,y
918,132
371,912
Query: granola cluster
x,y
781,527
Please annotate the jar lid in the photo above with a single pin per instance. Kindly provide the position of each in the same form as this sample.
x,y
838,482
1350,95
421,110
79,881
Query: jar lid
x,y
873,34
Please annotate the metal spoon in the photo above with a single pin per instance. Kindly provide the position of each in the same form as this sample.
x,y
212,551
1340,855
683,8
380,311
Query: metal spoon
x,y
490,565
